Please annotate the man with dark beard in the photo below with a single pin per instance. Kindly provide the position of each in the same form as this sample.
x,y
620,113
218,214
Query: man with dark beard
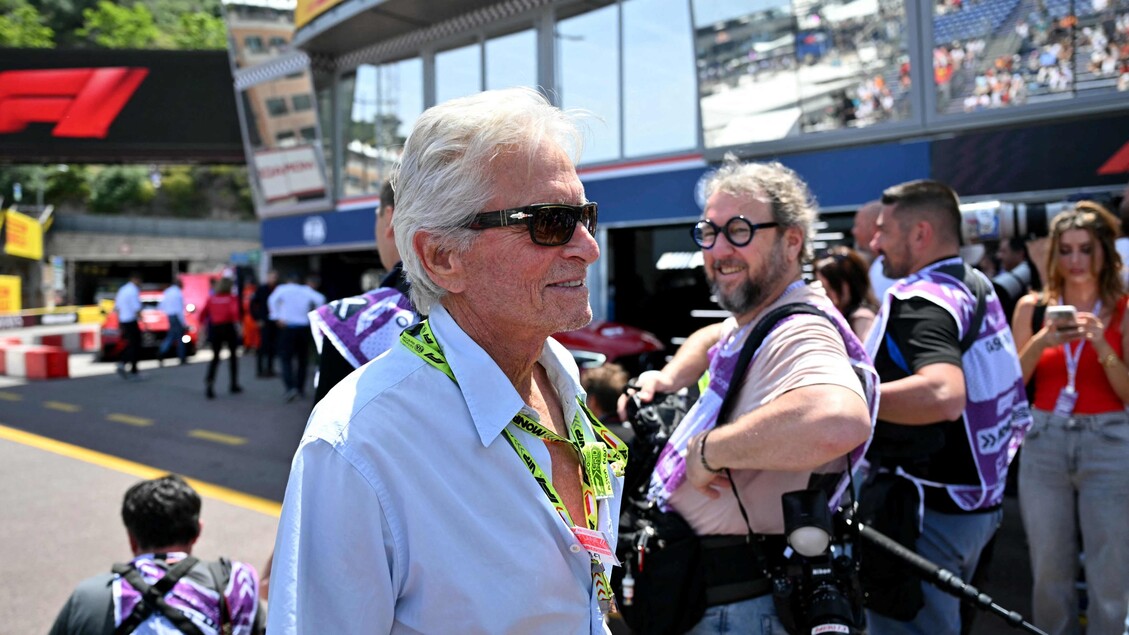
x,y
954,409
801,409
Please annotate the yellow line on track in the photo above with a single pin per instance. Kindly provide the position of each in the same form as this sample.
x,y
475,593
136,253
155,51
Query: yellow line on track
x,y
129,419
61,406
239,499
10,396
218,437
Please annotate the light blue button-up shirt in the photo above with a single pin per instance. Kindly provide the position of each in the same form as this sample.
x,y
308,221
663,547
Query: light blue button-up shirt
x,y
408,512
172,302
127,302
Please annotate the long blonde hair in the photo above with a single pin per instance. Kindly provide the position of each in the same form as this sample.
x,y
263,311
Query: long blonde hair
x,y
1104,228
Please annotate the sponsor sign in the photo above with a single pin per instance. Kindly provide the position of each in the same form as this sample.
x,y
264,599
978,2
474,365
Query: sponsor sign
x,y
307,10
10,297
289,173
81,102
24,236
114,106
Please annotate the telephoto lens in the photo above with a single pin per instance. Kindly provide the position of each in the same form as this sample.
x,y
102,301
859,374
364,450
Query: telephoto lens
x,y
997,220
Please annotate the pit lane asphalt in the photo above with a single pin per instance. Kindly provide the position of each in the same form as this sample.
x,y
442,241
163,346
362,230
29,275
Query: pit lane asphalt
x,y
70,448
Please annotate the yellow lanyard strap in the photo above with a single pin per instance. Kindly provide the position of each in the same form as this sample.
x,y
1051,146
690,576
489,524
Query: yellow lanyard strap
x,y
594,455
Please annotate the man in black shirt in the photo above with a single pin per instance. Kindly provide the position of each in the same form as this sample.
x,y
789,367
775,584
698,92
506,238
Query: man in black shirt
x,y
953,408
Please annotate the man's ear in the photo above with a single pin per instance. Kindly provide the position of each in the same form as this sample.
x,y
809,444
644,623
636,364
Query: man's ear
x,y
442,264
923,233
794,241
388,231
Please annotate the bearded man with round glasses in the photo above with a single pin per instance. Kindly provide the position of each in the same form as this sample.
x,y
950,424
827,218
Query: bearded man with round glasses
x,y
808,397
457,483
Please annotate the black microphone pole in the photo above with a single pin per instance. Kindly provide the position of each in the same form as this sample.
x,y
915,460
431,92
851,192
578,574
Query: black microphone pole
x,y
947,581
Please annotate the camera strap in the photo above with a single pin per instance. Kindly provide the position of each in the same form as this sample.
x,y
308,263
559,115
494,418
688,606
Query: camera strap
x,y
744,359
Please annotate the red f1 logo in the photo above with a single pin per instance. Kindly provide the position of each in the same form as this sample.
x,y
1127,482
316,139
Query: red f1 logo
x,y
82,101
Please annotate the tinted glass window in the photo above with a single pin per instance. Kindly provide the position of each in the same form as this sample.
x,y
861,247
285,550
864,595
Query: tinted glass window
x,y
994,54
458,72
776,68
587,76
511,60
660,113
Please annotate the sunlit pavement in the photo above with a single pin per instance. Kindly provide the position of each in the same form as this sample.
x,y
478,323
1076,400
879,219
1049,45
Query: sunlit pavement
x,y
62,444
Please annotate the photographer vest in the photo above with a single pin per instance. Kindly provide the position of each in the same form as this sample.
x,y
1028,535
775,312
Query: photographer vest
x,y
363,327
996,414
150,595
670,469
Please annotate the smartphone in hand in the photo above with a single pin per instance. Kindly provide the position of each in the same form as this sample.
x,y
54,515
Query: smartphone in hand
x,y
1062,318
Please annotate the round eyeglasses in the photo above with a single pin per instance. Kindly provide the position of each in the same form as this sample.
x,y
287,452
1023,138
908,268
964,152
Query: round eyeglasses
x,y
739,231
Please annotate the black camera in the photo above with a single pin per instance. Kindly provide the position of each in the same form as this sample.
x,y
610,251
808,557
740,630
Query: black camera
x,y
996,220
817,589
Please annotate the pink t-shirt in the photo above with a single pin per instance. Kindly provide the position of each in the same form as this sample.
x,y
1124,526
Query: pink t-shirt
x,y
806,350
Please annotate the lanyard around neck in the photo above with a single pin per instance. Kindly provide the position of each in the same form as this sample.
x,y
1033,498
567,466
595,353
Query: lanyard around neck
x,y
1074,353
594,456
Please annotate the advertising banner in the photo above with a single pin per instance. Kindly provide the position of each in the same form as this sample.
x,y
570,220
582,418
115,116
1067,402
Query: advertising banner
x,y
289,172
114,106
9,294
23,236
307,10
1033,158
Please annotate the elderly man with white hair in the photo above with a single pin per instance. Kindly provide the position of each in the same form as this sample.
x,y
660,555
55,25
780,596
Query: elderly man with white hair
x,y
458,483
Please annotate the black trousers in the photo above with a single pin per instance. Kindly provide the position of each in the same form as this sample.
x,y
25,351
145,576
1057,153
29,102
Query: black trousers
x,y
220,335
131,333
294,344
268,344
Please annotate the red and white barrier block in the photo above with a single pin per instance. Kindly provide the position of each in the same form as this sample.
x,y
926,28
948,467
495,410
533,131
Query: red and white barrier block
x,y
85,341
34,361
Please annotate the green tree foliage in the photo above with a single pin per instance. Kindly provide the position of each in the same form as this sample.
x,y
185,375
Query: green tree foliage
x,y
64,17
116,188
180,191
24,175
116,26
236,179
197,31
22,26
69,185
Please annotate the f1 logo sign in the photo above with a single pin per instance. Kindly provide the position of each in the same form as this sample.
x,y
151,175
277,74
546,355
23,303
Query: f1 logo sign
x,y
83,102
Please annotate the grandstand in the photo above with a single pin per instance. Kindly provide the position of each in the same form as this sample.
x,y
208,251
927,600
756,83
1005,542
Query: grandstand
x,y
978,20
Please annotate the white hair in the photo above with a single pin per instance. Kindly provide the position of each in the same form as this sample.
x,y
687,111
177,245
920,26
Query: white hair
x,y
785,192
446,171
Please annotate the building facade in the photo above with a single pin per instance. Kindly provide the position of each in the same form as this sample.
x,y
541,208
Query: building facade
x,y
855,95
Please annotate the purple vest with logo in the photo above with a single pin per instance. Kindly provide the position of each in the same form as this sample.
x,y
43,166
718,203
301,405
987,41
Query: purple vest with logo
x,y
996,414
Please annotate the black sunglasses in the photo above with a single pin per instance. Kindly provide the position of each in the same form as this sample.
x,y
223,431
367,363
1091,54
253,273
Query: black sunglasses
x,y
738,230
550,224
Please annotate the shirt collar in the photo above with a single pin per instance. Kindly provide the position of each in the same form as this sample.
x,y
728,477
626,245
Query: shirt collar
x,y
489,395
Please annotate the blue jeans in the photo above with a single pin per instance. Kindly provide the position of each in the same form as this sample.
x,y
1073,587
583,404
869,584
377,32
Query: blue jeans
x,y
1077,466
755,616
175,334
952,542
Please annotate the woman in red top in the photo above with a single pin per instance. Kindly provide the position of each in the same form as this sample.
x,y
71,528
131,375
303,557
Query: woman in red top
x,y
1076,455
221,314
